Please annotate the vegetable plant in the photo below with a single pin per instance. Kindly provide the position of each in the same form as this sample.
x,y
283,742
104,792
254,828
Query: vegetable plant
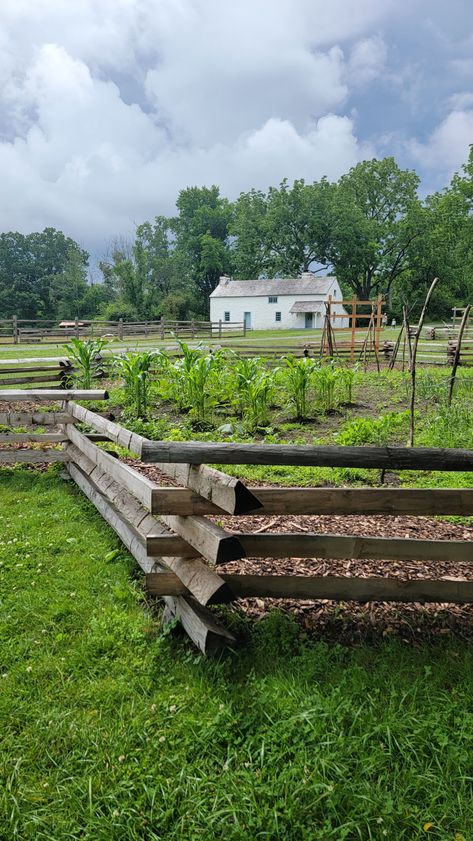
x,y
86,358
135,369
299,375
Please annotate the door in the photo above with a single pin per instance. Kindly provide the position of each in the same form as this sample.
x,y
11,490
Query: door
x,y
309,317
247,319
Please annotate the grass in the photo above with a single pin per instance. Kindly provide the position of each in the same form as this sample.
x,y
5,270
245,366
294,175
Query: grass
x,y
110,730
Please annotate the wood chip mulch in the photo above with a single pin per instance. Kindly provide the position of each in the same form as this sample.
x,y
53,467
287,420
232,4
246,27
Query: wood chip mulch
x,y
351,622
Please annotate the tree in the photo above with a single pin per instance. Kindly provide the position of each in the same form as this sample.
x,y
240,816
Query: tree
x,y
284,232
375,214
145,274
443,248
202,238
68,290
30,264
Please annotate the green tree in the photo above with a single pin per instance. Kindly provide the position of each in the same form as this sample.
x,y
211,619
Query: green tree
x,y
284,231
30,265
202,238
68,289
374,223
146,275
443,248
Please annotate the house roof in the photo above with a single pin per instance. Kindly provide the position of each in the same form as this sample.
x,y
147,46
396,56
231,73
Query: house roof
x,y
284,286
307,306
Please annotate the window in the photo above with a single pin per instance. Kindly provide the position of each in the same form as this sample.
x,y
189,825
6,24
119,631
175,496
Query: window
x,y
226,316
278,316
273,299
334,293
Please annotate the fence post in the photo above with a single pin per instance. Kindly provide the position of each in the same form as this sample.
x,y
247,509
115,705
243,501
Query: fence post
x,y
220,328
162,329
15,329
244,327
120,328
353,329
76,322
193,329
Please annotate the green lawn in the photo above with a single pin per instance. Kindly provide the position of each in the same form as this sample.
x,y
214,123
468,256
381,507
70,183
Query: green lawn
x,y
109,730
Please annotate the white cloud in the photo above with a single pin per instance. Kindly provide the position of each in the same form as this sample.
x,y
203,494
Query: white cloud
x,y
367,60
108,109
447,147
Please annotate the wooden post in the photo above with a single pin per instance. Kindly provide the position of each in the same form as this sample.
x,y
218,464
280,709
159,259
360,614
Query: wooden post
x,y
456,359
379,316
413,360
76,322
353,330
244,327
120,329
220,328
15,329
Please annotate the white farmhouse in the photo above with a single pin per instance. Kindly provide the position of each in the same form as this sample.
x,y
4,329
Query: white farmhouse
x,y
287,303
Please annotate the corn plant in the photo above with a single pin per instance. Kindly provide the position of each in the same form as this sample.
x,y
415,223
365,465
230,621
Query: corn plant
x,y
245,372
86,358
198,390
346,379
135,368
258,395
299,374
325,383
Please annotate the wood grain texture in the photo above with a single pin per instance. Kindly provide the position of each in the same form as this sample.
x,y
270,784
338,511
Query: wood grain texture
x,y
228,493
342,546
211,541
14,395
27,456
337,588
31,437
197,621
208,539
34,418
204,583
415,501
387,458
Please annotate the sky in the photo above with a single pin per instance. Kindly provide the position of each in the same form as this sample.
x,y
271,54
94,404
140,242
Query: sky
x,y
108,108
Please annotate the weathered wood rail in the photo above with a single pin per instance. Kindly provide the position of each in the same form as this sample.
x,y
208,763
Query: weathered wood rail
x,y
181,551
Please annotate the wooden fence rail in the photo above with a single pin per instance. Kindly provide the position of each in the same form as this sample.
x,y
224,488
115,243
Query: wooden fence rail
x,y
181,550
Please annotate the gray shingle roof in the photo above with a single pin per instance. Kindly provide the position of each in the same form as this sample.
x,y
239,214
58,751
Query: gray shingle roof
x,y
283,286
308,306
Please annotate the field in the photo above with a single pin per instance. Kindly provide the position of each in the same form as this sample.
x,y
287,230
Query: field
x,y
112,729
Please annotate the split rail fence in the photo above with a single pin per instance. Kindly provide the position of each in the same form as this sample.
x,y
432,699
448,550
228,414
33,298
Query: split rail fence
x,y
19,331
168,530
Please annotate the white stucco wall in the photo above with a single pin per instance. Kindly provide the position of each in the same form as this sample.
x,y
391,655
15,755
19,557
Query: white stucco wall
x,y
263,314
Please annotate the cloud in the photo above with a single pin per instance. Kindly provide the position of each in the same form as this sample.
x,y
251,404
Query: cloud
x,y
447,147
367,61
108,109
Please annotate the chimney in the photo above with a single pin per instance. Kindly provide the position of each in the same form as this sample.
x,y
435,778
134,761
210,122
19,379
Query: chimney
x,y
307,275
224,280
